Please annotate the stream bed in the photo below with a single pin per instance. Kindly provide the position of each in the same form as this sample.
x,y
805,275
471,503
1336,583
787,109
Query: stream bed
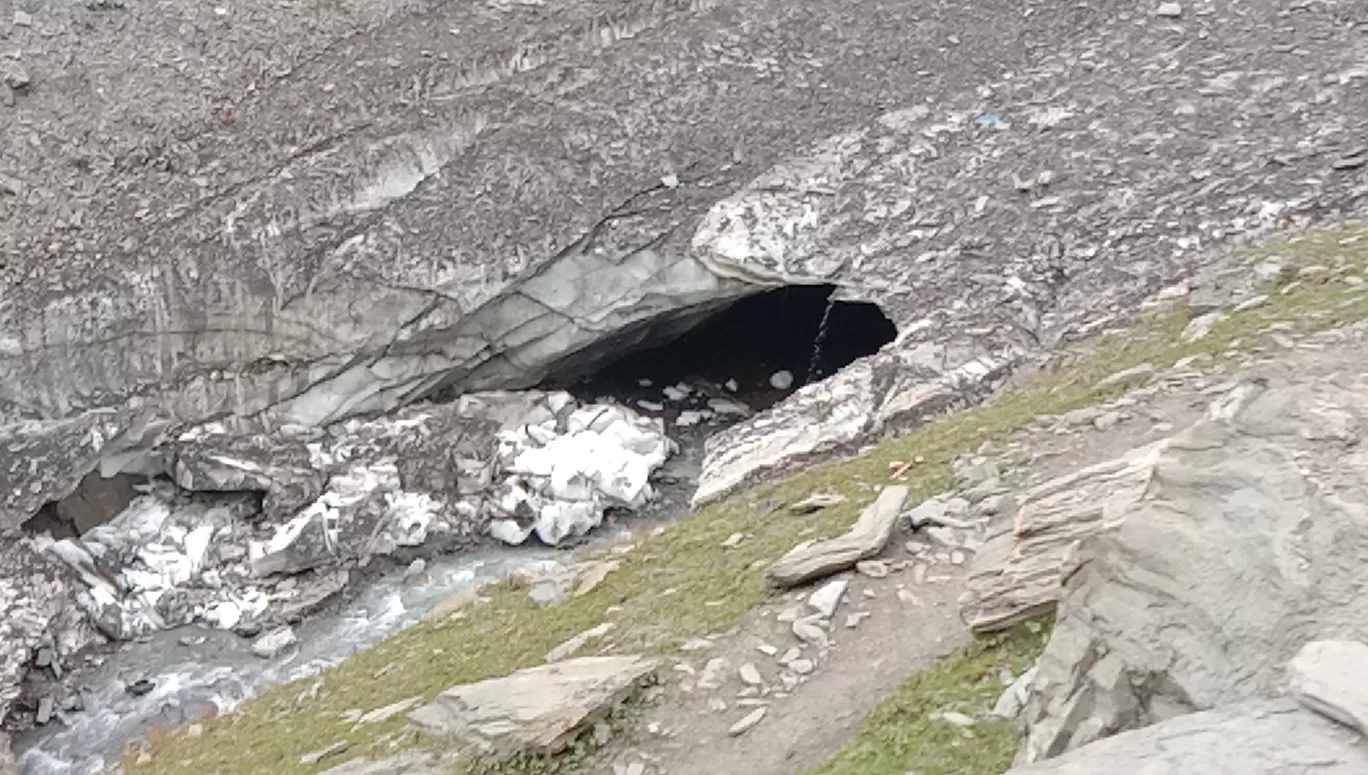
x,y
177,675
190,669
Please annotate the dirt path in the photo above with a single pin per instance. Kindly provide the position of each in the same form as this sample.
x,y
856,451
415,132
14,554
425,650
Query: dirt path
x,y
909,618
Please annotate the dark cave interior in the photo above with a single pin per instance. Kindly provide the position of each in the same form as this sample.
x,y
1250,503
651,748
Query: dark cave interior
x,y
745,344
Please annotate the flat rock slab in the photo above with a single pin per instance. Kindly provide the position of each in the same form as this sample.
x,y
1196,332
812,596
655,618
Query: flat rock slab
x,y
1017,573
1331,678
1259,738
867,538
537,710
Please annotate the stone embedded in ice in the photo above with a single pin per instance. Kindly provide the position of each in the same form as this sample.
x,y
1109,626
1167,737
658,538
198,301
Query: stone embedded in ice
x,y
677,392
691,417
729,406
781,380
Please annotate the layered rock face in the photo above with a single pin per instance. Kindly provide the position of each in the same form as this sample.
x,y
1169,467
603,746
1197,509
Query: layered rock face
x,y
1190,571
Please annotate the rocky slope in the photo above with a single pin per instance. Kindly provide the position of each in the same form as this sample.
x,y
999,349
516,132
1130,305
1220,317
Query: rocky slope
x,y
325,217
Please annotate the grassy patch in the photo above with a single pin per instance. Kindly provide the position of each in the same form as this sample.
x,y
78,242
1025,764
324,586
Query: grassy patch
x,y
904,734
682,583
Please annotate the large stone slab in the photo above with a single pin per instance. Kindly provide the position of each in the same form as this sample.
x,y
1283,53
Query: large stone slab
x,y
866,538
537,710
1246,543
1276,737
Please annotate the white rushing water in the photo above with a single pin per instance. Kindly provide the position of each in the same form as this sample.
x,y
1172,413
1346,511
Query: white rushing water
x,y
190,666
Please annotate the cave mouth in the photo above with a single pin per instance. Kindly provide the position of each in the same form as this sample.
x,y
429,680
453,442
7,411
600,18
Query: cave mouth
x,y
736,350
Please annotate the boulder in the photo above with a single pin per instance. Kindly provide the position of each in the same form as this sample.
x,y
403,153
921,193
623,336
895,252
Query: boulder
x,y
539,710
1245,542
1261,737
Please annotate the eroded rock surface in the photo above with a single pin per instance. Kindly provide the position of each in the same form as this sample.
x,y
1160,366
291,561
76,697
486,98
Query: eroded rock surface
x,y
1244,543
1268,737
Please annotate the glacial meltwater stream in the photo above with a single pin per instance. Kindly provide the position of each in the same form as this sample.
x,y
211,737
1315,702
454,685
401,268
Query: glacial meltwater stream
x,y
189,668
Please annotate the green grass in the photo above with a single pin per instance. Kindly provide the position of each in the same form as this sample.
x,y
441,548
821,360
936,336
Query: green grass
x,y
904,734
682,583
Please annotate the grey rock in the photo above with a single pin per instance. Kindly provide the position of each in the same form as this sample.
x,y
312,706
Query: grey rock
x,y
816,502
1331,678
579,641
750,675
552,588
314,757
1169,10
539,710
274,643
1132,376
387,712
827,597
45,708
810,631
748,722
714,672
1199,327
1270,737
874,569
1013,699
865,539
1017,573
1215,557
